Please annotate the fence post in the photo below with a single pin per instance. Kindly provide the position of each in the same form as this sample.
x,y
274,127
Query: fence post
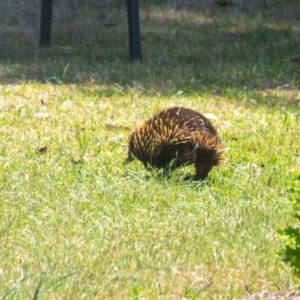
x,y
134,30
46,20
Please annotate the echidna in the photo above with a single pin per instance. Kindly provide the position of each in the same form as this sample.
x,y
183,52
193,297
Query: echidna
x,y
174,137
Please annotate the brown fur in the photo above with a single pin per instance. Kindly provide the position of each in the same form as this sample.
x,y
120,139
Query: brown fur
x,y
174,137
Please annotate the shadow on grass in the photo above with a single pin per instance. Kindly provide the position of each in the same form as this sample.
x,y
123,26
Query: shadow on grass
x,y
185,48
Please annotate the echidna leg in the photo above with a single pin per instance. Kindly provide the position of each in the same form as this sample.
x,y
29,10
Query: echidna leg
x,y
202,170
203,167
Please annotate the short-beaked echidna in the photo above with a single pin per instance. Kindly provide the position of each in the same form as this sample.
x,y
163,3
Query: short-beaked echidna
x,y
174,137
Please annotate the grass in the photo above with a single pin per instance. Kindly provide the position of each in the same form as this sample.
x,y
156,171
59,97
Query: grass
x,y
77,224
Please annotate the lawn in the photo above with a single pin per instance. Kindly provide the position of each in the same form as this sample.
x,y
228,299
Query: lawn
x,y
77,224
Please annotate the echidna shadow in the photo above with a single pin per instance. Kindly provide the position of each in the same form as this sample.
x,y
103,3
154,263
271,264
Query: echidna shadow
x,y
175,137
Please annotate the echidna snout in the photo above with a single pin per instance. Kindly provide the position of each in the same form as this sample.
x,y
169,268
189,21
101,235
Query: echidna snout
x,y
175,137
129,159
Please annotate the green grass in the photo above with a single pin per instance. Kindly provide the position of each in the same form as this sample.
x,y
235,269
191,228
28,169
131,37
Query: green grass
x,y
75,223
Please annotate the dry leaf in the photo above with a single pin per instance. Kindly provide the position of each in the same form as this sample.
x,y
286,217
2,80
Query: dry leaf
x,y
211,116
116,127
42,150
